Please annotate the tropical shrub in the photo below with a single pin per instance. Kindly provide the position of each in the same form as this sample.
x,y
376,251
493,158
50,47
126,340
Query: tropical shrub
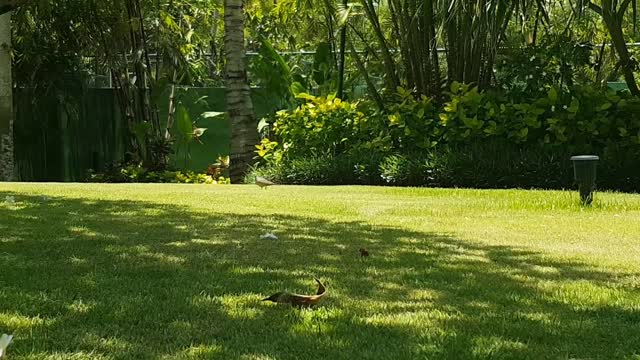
x,y
412,124
479,165
362,169
579,117
403,170
136,173
322,126
471,139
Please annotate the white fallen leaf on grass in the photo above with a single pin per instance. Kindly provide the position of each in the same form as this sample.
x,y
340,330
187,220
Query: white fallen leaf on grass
x,y
269,236
5,340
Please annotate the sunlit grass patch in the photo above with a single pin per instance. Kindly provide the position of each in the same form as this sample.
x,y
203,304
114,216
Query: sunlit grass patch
x,y
178,272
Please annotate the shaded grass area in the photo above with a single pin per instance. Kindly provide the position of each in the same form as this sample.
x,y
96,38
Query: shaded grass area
x,y
147,272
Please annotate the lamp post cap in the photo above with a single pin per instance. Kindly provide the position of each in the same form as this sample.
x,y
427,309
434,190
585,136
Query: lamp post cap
x,y
585,158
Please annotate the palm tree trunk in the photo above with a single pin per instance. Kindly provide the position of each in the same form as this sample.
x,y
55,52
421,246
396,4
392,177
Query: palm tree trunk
x,y
6,100
244,133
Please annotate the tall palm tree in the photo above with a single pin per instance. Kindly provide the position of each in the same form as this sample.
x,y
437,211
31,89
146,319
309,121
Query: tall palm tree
x,y
6,100
244,133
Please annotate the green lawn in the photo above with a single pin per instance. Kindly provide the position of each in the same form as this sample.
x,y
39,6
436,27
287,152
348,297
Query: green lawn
x,y
178,271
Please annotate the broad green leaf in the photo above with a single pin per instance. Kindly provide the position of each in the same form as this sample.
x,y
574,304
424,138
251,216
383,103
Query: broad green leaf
x,y
305,96
575,106
605,106
212,114
183,120
523,133
262,125
297,88
322,63
343,16
202,100
553,95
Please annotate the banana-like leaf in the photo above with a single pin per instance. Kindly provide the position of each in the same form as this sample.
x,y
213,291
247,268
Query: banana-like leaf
x,y
185,125
344,13
212,114
305,96
297,88
142,131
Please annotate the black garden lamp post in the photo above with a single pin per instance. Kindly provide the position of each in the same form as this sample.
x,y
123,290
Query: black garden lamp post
x,y
584,170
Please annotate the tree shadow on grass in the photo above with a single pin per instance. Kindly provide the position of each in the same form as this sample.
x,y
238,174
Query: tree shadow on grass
x,y
122,279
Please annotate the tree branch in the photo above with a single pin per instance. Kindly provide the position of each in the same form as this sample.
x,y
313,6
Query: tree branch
x,y
363,71
595,8
623,8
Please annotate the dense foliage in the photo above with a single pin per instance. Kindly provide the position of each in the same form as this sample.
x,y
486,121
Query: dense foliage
x,y
136,173
394,83
474,138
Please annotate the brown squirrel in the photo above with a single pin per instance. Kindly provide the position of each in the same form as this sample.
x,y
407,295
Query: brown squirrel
x,y
300,301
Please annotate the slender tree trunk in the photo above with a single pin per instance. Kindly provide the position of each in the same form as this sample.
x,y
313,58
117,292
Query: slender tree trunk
x,y
392,77
343,43
619,43
363,71
172,106
244,133
6,100
613,18
213,67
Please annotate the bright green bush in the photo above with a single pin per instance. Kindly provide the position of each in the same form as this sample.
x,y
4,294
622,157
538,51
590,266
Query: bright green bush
x,y
472,139
411,125
582,117
320,127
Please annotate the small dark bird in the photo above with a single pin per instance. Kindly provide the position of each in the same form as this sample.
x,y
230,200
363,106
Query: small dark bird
x,y
300,301
364,252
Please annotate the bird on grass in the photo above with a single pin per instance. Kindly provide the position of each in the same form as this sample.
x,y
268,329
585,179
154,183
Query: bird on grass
x,y
262,182
299,301
363,252
5,340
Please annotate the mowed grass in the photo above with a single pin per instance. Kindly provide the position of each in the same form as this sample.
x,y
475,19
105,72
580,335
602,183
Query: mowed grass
x,y
178,271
